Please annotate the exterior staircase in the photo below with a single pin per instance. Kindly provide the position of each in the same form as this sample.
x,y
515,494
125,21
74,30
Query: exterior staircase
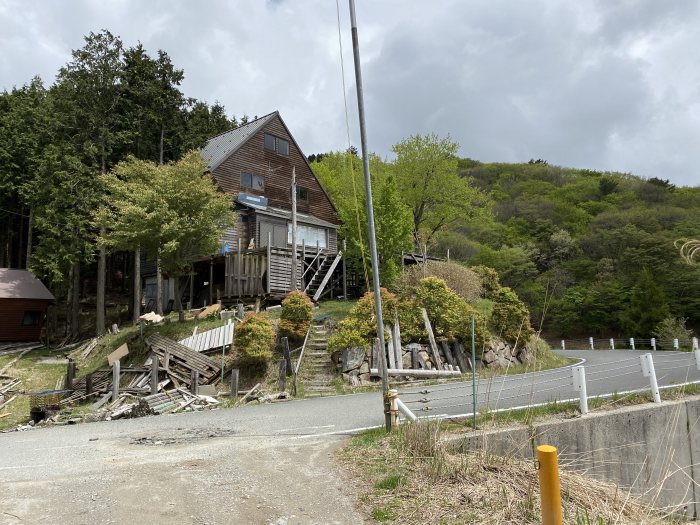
x,y
318,281
317,371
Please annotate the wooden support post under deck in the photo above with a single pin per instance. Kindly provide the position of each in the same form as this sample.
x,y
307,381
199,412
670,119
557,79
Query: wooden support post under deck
x,y
269,263
192,305
239,256
303,264
88,384
211,281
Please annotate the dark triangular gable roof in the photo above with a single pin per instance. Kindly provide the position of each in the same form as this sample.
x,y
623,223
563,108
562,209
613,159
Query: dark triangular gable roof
x,y
221,147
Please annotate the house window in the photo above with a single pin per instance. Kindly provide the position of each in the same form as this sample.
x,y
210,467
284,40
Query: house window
x,y
308,235
282,147
255,182
302,193
31,318
276,144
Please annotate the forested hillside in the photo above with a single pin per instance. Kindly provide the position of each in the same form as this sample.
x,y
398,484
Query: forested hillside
x,y
592,252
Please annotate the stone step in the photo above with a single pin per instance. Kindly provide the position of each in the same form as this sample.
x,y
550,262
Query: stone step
x,y
315,354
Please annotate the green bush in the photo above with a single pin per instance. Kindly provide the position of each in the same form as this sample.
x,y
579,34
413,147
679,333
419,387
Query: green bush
x,y
673,328
359,328
346,338
297,312
255,338
510,318
449,314
461,280
489,280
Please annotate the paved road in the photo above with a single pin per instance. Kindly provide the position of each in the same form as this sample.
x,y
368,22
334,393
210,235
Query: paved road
x,y
251,461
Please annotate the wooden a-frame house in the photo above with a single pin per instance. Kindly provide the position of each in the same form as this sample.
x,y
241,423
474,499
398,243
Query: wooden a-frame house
x,y
253,164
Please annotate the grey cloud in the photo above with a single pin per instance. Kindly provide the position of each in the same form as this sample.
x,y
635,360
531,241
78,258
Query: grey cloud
x,y
598,84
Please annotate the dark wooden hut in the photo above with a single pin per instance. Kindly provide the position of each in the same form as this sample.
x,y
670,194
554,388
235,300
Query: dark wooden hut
x,y
23,303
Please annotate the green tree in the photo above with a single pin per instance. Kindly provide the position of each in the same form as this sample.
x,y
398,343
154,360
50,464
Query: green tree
x,y
89,89
647,305
426,175
341,176
173,212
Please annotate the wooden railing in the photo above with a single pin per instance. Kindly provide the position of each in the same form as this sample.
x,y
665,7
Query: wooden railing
x,y
301,356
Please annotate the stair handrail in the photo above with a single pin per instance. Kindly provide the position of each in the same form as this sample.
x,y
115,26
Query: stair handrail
x,y
301,355
330,271
311,264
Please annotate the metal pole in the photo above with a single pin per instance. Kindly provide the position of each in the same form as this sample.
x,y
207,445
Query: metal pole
x,y
473,377
370,215
294,229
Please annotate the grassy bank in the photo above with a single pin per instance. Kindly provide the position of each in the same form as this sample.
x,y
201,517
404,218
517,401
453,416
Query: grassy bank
x,y
409,477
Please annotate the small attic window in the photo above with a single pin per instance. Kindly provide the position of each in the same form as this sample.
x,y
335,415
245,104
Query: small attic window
x,y
282,147
276,144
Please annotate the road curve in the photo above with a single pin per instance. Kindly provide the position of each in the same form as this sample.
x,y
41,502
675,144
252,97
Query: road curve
x,y
607,371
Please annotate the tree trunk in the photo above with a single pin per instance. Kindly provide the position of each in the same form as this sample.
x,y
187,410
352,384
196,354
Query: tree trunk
x,y
178,300
162,137
29,237
20,249
100,296
159,288
74,307
137,285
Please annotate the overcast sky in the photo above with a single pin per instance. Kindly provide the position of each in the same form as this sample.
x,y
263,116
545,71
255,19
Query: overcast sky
x,y
597,84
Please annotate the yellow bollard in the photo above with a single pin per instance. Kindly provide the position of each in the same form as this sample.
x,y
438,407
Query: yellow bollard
x,y
550,494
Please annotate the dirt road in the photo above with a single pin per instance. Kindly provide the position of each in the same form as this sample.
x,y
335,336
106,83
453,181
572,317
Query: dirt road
x,y
67,475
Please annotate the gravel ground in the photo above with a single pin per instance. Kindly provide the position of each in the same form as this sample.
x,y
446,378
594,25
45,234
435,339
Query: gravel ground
x,y
174,476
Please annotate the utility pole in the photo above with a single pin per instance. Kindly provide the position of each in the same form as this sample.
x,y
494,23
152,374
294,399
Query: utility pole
x,y
294,229
370,215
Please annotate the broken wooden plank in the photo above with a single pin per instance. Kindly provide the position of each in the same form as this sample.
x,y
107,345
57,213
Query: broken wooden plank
x,y
431,338
120,352
248,394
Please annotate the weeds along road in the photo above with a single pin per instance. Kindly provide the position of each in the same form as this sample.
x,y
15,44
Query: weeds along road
x,y
259,463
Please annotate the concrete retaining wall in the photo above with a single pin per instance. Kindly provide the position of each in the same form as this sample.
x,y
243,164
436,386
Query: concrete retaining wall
x,y
649,449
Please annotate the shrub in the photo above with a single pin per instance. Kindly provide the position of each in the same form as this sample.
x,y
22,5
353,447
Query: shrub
x,y
297,312
510,318
458,278
255,338
346,338
449,314
359,328
672,328
488,278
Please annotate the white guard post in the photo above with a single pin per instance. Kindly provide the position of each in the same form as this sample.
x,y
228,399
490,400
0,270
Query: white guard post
x,y
697,358
653,344
612,344
590,342
675,344
695,343
579,374
648,371
632,343
563,344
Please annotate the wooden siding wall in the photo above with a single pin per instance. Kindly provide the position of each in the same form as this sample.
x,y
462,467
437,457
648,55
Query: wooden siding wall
x,y
240,231
253,158
281,272
12,315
